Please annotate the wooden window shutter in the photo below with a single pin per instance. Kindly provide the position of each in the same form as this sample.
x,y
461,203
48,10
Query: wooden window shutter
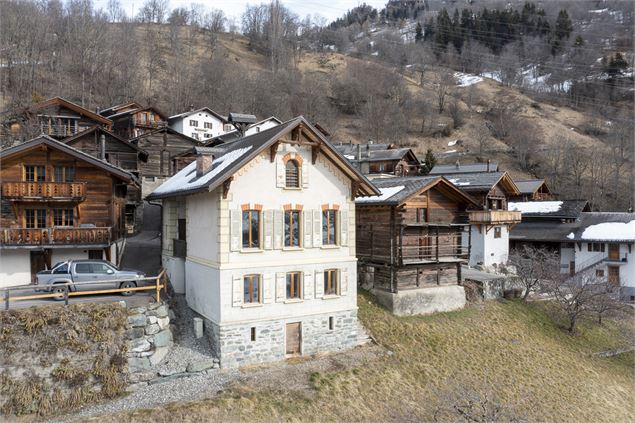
x,y
281,286
305,174
237,291
343,223
268,229
266,288
280,173
308,285
317,228
319,284
236,230
308,225
278,229
343,281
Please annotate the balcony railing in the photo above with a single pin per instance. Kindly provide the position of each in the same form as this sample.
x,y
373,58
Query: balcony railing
x,y
46,191
55,130
55,236
495,217
149,123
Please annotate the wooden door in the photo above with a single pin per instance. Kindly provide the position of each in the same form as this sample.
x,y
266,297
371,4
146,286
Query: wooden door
x,y
39,261
614,252
294,338
572,268
614,275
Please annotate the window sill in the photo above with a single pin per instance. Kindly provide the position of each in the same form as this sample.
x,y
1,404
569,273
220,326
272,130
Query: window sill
x,y
293,301
331,297
329,247
252,305
292,249
292,188
251,250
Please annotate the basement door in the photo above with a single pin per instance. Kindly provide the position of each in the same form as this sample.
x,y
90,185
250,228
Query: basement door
x,y
294,338
40,260
614,275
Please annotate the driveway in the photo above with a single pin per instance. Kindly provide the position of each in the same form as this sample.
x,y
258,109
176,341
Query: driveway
x,y
139,299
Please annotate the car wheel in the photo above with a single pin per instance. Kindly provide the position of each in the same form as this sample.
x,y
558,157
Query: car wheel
x,y
128,284
60,290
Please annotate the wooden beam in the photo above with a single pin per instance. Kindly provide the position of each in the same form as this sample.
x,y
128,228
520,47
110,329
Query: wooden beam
x,y
315,150
354,189
226,185
272,152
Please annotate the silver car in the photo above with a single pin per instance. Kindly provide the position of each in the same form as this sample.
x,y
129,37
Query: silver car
x,y
86,275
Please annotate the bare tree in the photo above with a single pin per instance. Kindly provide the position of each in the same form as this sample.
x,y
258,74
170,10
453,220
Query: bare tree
x,y
153,11
444,85
482,136
533,266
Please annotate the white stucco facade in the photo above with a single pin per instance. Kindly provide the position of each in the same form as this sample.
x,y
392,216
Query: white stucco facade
x,y
599,261
198,124
487,247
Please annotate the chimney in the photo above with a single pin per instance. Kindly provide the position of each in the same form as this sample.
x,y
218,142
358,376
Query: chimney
x,y
359,152
458,165
102,147
191,107
488,165
204,160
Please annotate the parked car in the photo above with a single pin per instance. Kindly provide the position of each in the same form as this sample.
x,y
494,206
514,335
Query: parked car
x,y
85,275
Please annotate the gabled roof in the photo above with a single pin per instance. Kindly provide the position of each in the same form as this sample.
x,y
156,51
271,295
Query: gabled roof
x,y
483,181
396,191
113,109
60,146
58,101
530,186
350,149
141,109
233,156
235,135
167,129
97,128
202,109
561,209
453,169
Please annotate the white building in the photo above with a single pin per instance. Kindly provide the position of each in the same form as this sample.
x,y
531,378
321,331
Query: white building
x,y
259,234
201,124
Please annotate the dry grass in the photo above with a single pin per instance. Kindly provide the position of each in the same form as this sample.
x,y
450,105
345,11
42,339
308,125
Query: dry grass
x,y
509,351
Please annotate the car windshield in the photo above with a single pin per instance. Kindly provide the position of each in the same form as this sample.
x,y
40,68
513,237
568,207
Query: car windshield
x,y
60,268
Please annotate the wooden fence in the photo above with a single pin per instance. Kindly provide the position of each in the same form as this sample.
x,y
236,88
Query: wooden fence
x,y
159,283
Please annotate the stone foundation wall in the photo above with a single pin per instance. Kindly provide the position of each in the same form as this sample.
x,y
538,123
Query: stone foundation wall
x,y
234,346
494,288
422,300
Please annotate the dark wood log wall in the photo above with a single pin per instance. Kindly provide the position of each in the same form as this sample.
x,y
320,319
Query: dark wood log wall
x,y
161,146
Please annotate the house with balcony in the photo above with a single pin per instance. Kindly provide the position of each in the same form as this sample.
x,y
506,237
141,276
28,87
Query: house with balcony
x,y
56,117
131,120
411,242
57,203
259,233
381,159
200,124
532,190
491,224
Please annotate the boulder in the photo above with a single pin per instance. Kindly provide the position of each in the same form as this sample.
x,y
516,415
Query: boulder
x,y
159,355
163,322
163,338
137,320
200,365
137,364
152,320
139,345
152,329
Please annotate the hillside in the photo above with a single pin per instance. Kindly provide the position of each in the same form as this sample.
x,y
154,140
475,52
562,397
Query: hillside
x,y
508,352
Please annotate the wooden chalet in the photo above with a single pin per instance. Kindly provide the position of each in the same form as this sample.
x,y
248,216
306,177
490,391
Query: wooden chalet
x,y
55,117
104,145
532,190
415,235
57,203
131,120
381,159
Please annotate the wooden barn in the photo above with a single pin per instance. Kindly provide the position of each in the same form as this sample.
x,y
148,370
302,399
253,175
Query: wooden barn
x,y
532,190
415,235
57,203
131,120
377,159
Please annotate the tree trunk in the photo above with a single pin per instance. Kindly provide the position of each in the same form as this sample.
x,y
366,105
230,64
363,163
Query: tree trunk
x,y
572,322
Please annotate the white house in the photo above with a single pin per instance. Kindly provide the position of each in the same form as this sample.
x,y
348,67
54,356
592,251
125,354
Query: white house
x,y
259,234
201,124
232,134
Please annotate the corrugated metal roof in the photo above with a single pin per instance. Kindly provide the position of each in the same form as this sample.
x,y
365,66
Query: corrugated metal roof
x,y
451,169
529,186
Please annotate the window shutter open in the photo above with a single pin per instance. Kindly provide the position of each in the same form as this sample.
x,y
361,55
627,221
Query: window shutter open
x,y
280,173
236,229
278,229
281,282
308,225
266,288
319,284
237,291
317,228
268,229
343,281
343,223
305,174
308,285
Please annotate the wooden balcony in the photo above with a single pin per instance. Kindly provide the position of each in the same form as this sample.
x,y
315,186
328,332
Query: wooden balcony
x,y
44,191
23,237
494,217
59,130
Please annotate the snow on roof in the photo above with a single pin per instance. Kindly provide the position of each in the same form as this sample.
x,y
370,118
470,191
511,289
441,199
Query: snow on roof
x,y
535,206
457,183
610,231
386,193
465,79
571,235
186,178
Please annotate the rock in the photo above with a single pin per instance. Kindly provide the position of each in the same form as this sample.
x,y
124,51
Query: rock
x,y
141,377
152,329
198,327
216,360
170,372
142,354
137,364
161,311
152,320
163,322
138,310
136,386
169,378
139,345
200,365
137,320
153,306
171,314
134,333
159,355
163,338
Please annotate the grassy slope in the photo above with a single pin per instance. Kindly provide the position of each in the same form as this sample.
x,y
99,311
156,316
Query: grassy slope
x,y
508,350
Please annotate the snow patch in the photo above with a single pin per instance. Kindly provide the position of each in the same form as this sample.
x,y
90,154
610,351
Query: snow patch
x,y
451,143
536,206
466,79
457,183
571,235
375,53
186,178
610,231
386,193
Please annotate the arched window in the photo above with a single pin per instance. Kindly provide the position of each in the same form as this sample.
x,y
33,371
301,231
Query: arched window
x,y
292,174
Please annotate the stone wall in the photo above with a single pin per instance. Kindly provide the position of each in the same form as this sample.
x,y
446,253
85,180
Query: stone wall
x,y
422,300
235,347
492,289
